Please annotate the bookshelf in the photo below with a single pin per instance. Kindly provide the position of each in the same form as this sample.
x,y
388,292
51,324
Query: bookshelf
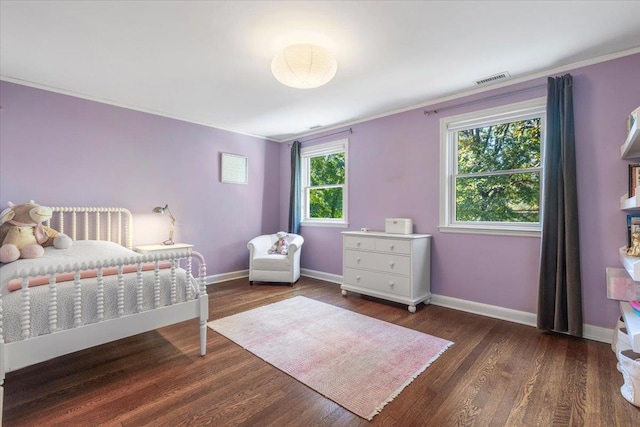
x,y
628,151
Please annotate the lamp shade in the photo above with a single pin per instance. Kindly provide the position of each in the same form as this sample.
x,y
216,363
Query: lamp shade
x,y
304,66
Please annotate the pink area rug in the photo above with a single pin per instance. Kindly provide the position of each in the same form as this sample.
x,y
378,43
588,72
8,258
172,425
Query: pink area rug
x,y
359,362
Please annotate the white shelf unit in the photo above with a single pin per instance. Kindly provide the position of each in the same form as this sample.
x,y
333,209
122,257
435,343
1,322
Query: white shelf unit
x,y
628,151
631,150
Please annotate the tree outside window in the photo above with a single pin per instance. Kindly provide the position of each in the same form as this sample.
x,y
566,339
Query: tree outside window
x,y
325,189
498,175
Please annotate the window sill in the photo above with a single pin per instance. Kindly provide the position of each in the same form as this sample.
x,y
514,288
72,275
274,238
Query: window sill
x,y
522,232
324,224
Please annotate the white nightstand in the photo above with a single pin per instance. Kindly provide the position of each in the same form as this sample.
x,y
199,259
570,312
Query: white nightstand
x,y
157,249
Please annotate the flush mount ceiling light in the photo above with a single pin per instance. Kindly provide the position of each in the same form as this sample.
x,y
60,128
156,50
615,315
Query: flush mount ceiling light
x,y
304,66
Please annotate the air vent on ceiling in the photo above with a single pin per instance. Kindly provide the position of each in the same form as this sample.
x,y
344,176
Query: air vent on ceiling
x,y
492,79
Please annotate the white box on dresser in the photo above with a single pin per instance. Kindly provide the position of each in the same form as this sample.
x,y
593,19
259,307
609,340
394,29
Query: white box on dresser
x,y
395,267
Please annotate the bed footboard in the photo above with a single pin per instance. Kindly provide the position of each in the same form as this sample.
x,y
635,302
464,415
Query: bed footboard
x,y
141,314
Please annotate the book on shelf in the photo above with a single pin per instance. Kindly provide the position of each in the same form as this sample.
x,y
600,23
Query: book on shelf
x,y
620,286
634,178
633,226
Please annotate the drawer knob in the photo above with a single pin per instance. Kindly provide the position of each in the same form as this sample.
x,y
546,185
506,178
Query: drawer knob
x,y
358,259
391,263
391,284
358,244
357,278
391,247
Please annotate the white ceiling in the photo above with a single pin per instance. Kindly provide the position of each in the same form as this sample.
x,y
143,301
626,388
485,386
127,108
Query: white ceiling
x,y
209,62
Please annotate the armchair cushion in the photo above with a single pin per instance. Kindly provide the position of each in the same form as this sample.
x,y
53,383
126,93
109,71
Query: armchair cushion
x,y
271,262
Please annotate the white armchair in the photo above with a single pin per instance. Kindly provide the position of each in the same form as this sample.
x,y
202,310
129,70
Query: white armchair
x,y
265,267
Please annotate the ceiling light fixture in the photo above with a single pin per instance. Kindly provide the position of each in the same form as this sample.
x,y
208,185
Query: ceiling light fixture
x,y
304,66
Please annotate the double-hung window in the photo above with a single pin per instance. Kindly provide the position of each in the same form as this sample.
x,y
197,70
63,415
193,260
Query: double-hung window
x,y
491,170
324,184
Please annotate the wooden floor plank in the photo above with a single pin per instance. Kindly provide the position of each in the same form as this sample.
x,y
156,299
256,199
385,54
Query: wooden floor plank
x,y
497,373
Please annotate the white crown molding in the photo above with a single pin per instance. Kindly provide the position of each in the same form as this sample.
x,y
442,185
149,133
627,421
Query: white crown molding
x,y
458,95
121,105
509,82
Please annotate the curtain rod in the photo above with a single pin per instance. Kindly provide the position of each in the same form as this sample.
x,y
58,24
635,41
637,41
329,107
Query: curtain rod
x,y
489,98
324,136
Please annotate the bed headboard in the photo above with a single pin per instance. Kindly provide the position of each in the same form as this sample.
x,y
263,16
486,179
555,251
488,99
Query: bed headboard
x,y
93,223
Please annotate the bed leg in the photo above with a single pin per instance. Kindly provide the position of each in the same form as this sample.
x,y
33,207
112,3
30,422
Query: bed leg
x,y
203,337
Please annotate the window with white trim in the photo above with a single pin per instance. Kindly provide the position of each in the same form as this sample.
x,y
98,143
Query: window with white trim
x,y
324,184
491,170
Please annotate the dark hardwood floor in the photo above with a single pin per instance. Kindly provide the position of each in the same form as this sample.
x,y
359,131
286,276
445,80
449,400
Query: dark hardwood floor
x,y
496,374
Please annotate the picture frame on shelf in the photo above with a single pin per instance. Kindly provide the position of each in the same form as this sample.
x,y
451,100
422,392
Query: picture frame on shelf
x,y
634,178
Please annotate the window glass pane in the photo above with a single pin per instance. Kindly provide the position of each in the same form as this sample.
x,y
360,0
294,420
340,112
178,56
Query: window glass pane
x,y
327,170
506,146
499,198
325,202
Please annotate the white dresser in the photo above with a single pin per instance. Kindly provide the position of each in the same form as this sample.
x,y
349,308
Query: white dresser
x,y
395,267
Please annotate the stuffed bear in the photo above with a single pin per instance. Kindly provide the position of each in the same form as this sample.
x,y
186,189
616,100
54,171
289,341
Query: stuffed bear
x,y
280,246
23,235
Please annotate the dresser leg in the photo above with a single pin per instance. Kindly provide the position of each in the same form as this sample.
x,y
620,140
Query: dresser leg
x,y
344,292
412,309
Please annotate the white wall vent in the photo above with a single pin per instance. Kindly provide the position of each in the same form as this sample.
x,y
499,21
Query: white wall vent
x,y
492,79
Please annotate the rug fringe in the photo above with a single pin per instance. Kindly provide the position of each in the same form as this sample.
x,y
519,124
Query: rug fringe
x,y
395,394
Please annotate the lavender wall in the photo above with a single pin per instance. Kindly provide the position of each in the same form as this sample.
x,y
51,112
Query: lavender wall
x,y
394,172
87,153
66,151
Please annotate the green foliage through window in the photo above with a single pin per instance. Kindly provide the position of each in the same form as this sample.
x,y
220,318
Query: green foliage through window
x,y
326,179
498,172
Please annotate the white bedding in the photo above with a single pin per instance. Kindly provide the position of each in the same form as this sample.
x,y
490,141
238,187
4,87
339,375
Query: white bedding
x,y
82,251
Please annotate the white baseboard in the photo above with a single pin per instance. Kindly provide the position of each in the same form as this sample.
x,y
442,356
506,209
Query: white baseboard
x,y
595,333
327,277
224,277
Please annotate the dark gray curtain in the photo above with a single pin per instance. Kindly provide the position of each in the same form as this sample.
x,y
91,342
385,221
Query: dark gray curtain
x,y
294,198
560,289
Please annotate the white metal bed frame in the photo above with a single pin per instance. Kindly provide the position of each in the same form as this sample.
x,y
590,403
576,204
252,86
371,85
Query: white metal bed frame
x,y
115,225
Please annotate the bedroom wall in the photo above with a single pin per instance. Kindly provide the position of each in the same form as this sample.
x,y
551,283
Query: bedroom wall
x,y
394,172
66,151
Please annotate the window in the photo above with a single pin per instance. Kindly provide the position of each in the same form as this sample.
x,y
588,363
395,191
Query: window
x,y
491,170
324,184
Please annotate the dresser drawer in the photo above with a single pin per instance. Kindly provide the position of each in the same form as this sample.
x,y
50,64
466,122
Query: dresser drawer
x,y
387,263
395,246
388,283
360,243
